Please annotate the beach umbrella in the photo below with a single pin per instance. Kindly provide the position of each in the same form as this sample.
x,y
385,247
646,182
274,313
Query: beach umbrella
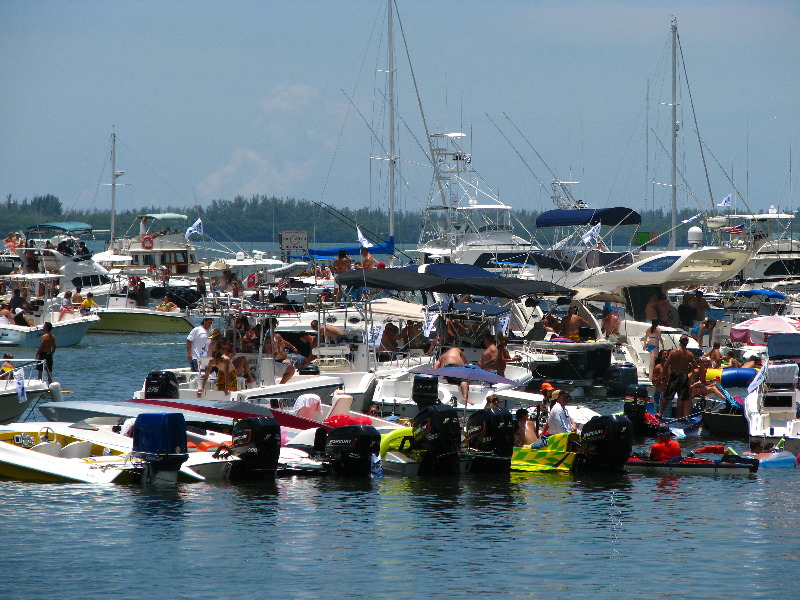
x,y
757,330
470,373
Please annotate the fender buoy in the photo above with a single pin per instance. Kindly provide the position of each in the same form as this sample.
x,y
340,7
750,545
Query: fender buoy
x,y
147,242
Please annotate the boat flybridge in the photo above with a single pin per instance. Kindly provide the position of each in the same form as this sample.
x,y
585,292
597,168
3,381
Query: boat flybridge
x,y
464,221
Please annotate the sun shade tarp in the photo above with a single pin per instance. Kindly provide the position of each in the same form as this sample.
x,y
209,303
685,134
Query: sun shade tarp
x,y
617,215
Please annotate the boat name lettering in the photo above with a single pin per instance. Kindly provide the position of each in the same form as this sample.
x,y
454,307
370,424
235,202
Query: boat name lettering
x,y
342,442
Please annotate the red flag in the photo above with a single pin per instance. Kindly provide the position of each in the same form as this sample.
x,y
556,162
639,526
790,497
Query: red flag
x,y
251,280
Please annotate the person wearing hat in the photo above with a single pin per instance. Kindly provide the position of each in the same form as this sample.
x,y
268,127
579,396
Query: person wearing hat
x,y
559,420
665,448
214,337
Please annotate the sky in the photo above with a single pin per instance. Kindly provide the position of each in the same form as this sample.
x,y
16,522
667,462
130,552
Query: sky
x,y
209,100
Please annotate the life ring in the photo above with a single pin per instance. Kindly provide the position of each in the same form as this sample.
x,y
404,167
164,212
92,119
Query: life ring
x,y
147,242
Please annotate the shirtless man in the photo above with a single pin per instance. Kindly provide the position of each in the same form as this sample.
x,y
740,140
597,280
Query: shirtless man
x,y
454,357
571,325
327,333
610,323
340,265
680,364
283,365
495,356
47,347
367,262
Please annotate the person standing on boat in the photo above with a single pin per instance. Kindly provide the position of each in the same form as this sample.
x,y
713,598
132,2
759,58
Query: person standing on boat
x,y
197,343
559,420
680,364
609,325
665,448
200,284
454,357
341,265
571,324
47,347
659,377
653,342
700,307
367,261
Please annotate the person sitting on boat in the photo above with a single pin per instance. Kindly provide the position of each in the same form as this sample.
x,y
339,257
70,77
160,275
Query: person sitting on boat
x,y
700,385
715,356
754,362
387,347
550,323
328,333
83,251
167,305
274,345
730,360
525,431
559,420
88,304
224,346
7,368
20,318
226,374
454,357
571,324
6,318
609,324
66,305
495,356
665,448
77,298
17,301
680,364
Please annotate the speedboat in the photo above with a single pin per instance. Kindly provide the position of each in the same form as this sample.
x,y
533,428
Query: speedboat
x,y
54,453
19,388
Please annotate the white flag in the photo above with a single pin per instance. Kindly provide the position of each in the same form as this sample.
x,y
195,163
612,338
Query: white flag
x,y
591,235
758,379
19,377
502,323
365,243
726,201
429,320
375,334
196,228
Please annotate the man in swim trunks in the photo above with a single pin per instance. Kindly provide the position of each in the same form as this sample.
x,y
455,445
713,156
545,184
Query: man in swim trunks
x,y
454,357
680,363
571,324
341,265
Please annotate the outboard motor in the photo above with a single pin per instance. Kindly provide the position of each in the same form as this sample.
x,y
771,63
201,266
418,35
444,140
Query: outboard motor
x,y
159,441
606,443
490,437
425,390
437,439
619,376
635,408
352,449
308,370
257,443
161,384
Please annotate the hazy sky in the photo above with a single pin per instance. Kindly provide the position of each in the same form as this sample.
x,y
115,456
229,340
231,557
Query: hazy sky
x,y
214,99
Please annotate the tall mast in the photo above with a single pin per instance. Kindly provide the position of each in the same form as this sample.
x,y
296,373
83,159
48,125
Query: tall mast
x,y
113,187
675,127
390,69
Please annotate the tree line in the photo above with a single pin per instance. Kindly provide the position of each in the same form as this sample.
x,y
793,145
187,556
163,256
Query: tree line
x,y
260,219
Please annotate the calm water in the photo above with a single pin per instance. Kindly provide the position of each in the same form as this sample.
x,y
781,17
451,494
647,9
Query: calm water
x,y
527,536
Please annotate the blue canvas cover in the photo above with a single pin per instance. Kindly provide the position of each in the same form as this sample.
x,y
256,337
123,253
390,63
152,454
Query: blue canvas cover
x,y
618,215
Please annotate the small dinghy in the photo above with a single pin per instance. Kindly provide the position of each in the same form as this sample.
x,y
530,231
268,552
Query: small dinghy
x,y
689,465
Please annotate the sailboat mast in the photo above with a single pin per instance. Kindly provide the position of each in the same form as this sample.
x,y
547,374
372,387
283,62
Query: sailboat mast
x,y
390,69
113,187
674,133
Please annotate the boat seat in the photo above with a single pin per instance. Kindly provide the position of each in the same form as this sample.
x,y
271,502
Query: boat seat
x,y
80,449
49,448
342,403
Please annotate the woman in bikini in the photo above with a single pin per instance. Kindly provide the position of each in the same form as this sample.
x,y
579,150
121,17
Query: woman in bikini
x,y
653,342
226,374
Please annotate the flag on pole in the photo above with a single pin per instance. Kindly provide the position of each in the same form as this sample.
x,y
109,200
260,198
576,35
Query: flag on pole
x,y
590,236
365,243
726,201
251,280
760,377
196,228
738,230
283,283
19,377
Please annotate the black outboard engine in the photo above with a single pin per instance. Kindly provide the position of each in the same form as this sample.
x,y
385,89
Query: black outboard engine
x,y
161,384
619,376
606,444
353,450
257,442
489,436
635,408
425,390
437,440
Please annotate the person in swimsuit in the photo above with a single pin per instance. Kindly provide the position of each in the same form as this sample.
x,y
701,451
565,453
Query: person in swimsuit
x,y
454,357
680,364
226,374
166,305
653,342
47,347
